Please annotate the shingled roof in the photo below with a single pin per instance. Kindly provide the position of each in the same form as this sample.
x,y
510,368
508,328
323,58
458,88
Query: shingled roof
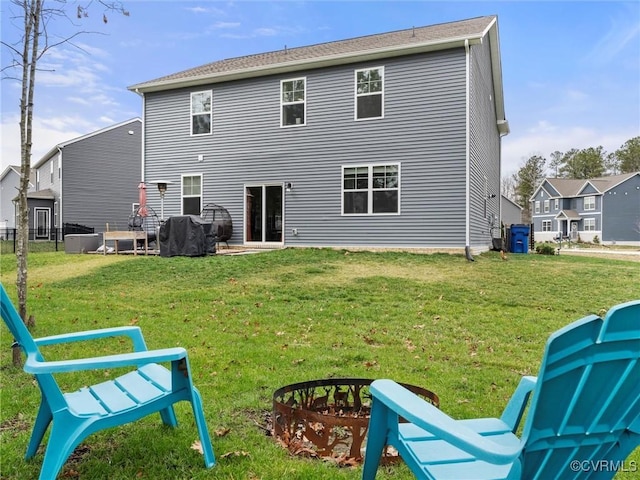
x,y
568,187
385,45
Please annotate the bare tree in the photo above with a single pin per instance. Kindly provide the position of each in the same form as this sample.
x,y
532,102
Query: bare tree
x,y
35,16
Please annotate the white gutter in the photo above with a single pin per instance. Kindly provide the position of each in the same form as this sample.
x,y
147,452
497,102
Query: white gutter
x,y
467,154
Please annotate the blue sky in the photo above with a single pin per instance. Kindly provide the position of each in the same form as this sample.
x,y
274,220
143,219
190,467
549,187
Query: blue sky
x,y
571,70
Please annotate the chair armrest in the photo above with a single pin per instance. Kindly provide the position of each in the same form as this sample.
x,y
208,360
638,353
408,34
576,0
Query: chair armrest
x,y
132,332
514,410
35,366
424,415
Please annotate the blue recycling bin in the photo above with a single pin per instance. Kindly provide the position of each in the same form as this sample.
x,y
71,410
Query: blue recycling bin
x,y
519,239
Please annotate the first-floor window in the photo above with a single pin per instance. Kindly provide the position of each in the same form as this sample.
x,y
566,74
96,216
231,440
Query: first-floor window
x,y
371,189
546,225
589,224
191,194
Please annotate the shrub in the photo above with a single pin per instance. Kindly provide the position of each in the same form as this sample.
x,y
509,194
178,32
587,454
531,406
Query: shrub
x,y
545,249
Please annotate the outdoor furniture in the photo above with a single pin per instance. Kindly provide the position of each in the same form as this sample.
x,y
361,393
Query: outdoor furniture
x,y
118,235
583,420
73,416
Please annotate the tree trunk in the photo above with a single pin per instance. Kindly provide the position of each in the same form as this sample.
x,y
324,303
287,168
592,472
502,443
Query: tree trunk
x,y
32,14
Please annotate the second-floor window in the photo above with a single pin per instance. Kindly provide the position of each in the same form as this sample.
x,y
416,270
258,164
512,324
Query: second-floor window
x,y
293,102
371,189
557,204
201,112
537,206
590,203
369,93
546,206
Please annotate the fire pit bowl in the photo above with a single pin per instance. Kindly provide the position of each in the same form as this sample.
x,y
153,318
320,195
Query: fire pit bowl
x,y
329,417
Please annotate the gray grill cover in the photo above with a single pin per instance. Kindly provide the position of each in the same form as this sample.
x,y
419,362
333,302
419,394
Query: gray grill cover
x,y
187,236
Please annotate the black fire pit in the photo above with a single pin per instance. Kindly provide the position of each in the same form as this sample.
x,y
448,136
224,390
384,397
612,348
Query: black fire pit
x,y
328,418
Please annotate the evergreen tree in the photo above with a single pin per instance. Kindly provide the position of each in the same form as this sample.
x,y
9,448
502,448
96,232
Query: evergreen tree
x,y
628,156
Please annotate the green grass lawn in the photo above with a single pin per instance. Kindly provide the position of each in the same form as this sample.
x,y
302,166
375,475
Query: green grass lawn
x,y
252,323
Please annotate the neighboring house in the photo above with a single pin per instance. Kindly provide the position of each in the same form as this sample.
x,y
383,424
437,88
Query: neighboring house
x,y
511,212
9,186
87,182
607,208
389,140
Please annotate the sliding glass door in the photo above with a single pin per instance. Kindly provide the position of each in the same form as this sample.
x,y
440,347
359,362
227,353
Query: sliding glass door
x,y
263,214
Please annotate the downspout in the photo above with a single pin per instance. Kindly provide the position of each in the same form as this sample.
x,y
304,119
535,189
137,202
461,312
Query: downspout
x,y
61,196
467,248
142,150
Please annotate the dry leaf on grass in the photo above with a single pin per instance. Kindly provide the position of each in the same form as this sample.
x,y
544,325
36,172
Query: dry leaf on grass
x,y
237,453
221,432
197,446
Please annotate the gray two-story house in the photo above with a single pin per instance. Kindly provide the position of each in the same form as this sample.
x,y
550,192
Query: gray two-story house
x,y
605,209
87,182
385,141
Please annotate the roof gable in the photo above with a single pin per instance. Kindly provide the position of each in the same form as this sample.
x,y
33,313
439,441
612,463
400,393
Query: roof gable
x,y
589,189
401,42
569,187
55,149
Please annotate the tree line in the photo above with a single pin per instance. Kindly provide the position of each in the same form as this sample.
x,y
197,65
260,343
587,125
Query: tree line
x,y
592,162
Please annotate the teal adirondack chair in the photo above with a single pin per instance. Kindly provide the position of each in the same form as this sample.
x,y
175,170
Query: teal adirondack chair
x,y
583,420
73,416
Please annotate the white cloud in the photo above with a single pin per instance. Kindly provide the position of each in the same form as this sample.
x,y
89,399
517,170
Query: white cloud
x,y
623,32
47,133
221,25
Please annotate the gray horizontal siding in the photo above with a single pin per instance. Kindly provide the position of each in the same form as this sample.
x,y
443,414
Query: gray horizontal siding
x,y
423,129
484,146
621,212
100,180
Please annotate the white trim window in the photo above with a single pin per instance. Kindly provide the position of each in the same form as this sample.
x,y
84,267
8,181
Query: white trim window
x,y
546,225
369,93
191,194
557,204
589,203
589,224
293,102
201,112
41,223
546,206
537,206
371,189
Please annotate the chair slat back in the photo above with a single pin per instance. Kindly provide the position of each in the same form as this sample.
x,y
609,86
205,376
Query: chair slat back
x,y
15,324
588,395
